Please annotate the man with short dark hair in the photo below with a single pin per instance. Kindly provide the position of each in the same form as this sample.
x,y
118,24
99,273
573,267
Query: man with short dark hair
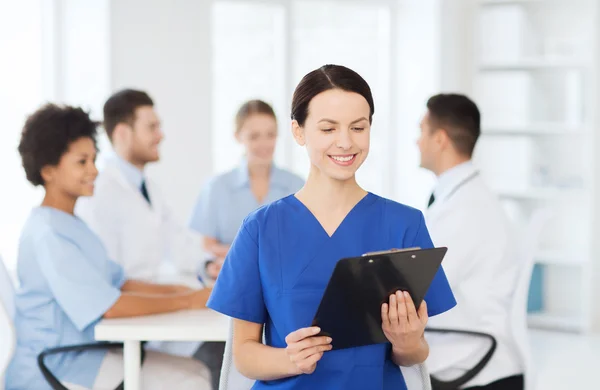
x,y
127,210
131,216
465,216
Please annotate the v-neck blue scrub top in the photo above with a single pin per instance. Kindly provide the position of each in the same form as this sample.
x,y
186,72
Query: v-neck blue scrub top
x,y
280,263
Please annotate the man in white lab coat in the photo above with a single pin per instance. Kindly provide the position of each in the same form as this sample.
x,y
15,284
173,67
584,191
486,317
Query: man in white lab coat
x,y
130,215
481,265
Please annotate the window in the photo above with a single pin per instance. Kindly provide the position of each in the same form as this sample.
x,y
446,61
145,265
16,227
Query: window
x,y
248,62
50,53
23,90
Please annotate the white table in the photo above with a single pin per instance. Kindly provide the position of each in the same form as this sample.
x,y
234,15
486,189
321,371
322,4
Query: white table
x,y
191,325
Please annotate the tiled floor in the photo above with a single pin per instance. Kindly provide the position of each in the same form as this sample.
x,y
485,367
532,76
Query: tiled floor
x,y
566,361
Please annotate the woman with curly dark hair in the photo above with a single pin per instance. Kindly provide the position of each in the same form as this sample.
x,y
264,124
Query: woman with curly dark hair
x,y
67,282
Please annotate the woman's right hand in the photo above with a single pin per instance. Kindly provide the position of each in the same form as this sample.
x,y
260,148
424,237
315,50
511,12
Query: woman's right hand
x,y
213,268
304,349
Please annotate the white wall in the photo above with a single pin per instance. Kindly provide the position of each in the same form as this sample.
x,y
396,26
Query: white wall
x,y
456,51
419,77
596,204
164,49
82,53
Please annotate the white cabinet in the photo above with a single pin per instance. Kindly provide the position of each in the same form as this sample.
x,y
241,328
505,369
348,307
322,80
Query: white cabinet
x,y
536,69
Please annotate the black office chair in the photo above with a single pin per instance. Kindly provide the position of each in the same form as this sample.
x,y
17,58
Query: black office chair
x,y
454,384
53,381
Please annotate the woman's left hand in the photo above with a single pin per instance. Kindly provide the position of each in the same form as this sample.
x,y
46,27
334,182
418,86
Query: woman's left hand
x,y
403,326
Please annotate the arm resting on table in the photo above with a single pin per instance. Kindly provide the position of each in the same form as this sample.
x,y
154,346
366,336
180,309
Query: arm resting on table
x,y
134,304
137,286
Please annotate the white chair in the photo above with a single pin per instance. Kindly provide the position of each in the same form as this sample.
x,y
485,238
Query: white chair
x,y
416,377
527,249
7,330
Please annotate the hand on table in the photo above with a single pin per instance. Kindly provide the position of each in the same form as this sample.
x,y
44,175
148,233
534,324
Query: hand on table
x,y
213,268
198,298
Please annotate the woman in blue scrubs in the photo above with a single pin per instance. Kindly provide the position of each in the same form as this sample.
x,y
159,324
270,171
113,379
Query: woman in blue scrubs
x,y
67,283
284,253
229,197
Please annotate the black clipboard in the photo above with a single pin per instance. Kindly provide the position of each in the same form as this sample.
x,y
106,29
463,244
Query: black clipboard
x,y
350,309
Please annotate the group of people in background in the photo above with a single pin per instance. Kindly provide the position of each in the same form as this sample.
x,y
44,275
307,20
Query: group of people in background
x,y
106,245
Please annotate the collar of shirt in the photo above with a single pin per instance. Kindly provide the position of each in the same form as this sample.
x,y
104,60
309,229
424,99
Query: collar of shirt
x,y
448,180
242,177
132,174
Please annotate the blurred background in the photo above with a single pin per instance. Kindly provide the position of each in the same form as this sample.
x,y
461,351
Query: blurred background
x,y
532,66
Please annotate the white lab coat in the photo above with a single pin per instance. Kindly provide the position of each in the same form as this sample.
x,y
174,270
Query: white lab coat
x,y
140,237
482,269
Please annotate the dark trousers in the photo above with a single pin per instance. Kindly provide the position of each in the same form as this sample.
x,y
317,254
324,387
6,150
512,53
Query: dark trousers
x,y
509,383
211,354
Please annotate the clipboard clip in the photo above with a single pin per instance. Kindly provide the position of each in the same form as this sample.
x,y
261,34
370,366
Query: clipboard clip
x,y
392,250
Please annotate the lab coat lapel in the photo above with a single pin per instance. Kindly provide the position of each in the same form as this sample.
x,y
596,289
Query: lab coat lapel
x,y
142,226
442,201
112,169
434,211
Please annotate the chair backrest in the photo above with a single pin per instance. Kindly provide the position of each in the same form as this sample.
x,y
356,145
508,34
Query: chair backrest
x,y
7,329
416,377
527,245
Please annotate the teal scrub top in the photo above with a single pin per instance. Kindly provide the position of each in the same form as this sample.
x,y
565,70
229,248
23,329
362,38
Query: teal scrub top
x,y
67,283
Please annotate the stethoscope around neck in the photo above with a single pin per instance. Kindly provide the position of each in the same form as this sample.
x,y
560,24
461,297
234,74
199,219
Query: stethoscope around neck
x,y
461,184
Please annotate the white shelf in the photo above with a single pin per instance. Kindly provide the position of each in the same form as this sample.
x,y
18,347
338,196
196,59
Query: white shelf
x,y
549,257
533,64
500,2
537,129
531,78
541,193
562,322
526,2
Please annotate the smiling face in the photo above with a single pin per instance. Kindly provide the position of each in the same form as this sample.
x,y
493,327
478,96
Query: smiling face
x,y
75,173
336,133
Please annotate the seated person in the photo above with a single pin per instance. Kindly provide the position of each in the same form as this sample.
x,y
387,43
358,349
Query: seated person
x,y
482,268
67,281
128,210
229,197
132,217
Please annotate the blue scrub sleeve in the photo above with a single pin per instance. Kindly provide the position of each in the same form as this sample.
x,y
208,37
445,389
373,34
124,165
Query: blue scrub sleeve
x,y
439,297
117,274
204,215
238,291
79,288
